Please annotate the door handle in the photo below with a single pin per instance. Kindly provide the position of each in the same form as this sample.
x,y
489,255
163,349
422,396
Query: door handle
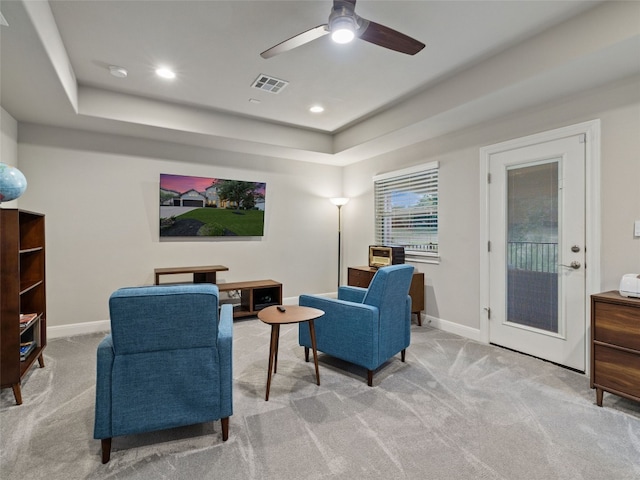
x,y
575,265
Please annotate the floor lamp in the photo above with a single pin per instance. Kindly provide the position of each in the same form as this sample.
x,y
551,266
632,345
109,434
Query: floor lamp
x,y
339,202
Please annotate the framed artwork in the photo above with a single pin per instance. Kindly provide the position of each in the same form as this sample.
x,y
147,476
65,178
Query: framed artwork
x,y
210,207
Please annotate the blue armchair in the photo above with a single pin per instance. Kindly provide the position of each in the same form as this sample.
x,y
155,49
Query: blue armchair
x,y
364,326
166,363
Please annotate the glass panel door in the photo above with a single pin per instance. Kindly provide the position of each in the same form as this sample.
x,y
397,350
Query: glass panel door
x,y
536,250
532,246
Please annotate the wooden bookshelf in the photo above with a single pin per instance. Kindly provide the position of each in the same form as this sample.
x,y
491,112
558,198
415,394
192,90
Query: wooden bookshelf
x,y
22,282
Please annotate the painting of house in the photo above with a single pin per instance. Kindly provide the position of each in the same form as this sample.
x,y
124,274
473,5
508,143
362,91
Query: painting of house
x,y
212,197
210,207
192,198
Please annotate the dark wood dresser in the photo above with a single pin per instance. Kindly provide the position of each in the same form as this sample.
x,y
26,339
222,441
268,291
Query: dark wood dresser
x,y
615,345
362,276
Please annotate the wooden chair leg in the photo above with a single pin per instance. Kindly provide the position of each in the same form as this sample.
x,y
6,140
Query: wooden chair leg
x,y
225,428
370,378
106,449
306,354
402,354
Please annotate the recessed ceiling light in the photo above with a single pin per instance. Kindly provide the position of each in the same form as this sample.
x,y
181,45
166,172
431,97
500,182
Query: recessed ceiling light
x,y
119,72
165,73
254,100
316,109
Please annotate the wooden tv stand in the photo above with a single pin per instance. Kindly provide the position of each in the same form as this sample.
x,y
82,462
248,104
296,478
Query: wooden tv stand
x,y
200,274
254,296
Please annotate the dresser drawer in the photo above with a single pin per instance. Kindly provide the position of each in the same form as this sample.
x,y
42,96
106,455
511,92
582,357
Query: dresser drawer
x,y
359,278
617,325
617,370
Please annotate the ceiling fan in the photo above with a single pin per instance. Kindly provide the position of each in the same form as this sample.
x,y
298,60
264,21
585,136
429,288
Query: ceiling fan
x,y
344,25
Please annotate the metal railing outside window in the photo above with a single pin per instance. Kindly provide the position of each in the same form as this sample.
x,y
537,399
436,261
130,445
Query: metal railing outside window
x,y
533,256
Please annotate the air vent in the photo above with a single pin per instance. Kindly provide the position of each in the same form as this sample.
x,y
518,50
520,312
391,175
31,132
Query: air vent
x,y
269,84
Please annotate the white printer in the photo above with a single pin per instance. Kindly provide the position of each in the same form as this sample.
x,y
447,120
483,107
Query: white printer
x,y
630,285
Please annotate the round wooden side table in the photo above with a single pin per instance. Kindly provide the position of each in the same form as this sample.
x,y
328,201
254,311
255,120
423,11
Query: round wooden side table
x,y
277,315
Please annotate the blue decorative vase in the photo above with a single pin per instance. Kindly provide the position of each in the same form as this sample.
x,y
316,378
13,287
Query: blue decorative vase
x,y
12,183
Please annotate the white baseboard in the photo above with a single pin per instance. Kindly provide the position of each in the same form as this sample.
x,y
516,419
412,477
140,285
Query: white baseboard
x,y
105,325
296,300
85,328
78,329
451,327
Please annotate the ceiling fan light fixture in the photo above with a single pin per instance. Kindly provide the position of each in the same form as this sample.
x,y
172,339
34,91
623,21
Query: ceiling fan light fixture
x,y
343,29
165,73
344,25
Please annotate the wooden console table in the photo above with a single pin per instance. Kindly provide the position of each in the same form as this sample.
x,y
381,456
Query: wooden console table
x,y
255,295
362,276
615,345
200,274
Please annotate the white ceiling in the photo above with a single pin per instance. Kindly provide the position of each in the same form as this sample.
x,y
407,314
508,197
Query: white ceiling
x,y
214,47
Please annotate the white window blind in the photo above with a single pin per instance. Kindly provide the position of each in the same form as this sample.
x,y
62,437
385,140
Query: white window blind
x,y
406,209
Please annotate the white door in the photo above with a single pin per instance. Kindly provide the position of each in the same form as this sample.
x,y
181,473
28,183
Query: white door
x,y
536,215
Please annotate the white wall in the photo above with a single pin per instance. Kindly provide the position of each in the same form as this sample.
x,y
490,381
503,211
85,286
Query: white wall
x,y
100,193
8,145
100,197
8,139
452,291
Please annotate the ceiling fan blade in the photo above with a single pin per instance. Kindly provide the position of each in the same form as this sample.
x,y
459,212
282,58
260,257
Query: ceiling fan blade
x,y
386,37
296,41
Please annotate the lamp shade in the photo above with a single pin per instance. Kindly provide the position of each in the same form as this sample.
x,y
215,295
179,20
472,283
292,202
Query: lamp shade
x,y
12,183
339,201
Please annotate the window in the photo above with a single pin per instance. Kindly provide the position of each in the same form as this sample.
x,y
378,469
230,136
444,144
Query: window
x,y
406,210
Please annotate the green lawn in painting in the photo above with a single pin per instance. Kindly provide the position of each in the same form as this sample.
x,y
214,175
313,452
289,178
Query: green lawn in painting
x,y
244,223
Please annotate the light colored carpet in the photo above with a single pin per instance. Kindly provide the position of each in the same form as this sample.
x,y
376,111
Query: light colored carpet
x,y
456,409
